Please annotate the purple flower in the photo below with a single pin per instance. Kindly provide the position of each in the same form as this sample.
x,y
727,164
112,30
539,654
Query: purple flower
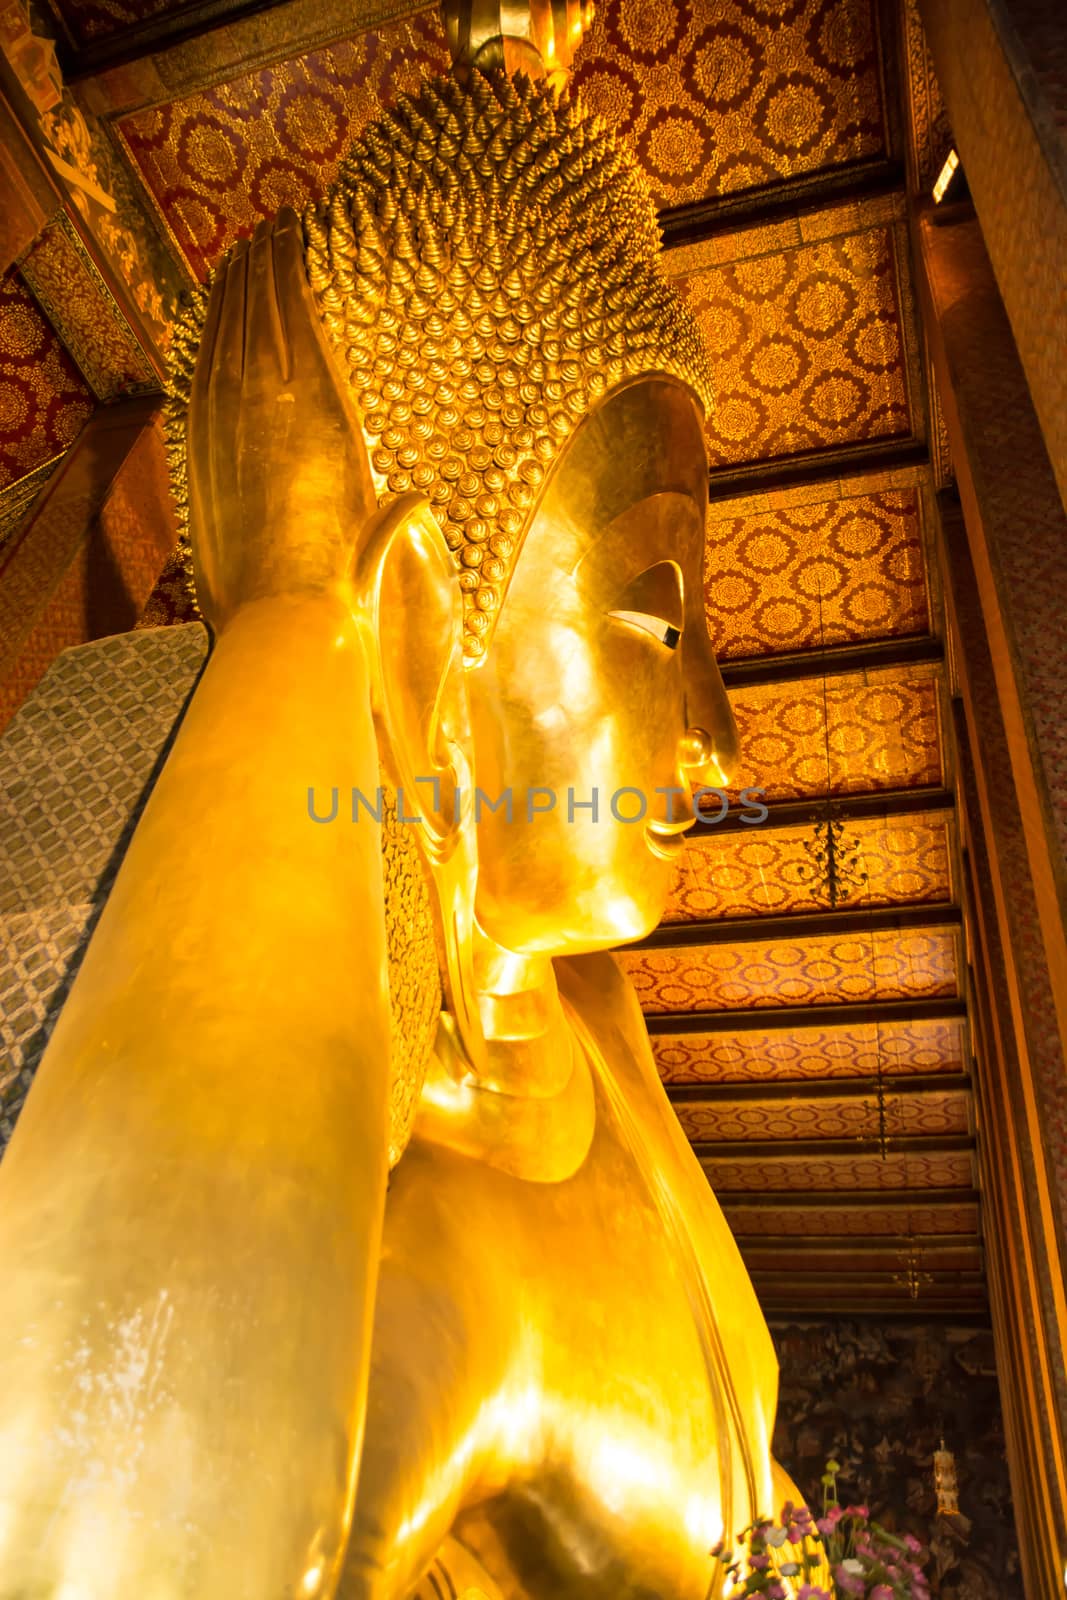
x,y
828,1524
881,1591
811,1591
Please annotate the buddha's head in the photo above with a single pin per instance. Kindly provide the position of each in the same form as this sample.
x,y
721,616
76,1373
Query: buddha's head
x,y
487,270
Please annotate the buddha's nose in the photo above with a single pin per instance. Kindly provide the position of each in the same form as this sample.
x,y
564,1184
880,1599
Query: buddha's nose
x,y
708,750
707,757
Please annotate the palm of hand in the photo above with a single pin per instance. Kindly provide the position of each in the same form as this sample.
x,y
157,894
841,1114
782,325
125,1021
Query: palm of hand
x,y
278,474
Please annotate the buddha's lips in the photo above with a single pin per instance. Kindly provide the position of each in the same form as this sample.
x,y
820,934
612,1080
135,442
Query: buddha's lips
x,y
667,839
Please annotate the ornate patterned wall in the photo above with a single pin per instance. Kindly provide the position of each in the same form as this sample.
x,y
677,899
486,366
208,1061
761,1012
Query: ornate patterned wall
x,y
879,1399
44,400
723,95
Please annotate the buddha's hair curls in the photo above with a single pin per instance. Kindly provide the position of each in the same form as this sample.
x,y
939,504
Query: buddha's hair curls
x,y
487,266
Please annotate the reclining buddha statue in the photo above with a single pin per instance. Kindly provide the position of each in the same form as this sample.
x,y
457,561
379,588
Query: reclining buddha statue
x,y
348,1240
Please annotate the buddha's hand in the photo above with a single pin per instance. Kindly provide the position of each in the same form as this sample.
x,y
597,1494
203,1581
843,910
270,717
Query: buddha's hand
x,y
278,474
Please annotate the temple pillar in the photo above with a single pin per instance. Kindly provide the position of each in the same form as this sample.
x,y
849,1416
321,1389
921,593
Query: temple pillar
x,y
1002,68
85,560
1004,559
1019,1073
1017,538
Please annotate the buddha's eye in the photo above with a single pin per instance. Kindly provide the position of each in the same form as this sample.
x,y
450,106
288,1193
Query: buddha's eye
x,y
665,632
654,601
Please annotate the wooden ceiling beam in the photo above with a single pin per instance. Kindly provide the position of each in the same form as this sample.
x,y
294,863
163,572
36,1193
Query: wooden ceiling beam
x,y
850,184
886,804
967,1305
833,661
864,1245
945,1278
846,1200
745,1150
817,467
849,921
774,1091
787,1019
153,35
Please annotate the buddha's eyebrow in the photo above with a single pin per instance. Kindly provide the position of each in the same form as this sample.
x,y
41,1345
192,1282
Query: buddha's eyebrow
x,y
614,542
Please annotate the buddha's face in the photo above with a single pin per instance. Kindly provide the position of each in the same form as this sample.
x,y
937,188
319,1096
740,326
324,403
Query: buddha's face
x,y
600,682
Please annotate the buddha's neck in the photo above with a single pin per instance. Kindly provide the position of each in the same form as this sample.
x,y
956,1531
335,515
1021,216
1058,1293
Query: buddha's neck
x,y
528,1041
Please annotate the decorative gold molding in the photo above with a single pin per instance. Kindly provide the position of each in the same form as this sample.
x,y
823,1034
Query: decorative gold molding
x,y
17,498
64,280
928,134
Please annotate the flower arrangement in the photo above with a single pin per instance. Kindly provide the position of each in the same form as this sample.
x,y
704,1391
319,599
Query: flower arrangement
x,y
864,1561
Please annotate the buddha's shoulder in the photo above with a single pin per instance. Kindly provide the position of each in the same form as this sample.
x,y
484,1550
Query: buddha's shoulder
x,y
605,1006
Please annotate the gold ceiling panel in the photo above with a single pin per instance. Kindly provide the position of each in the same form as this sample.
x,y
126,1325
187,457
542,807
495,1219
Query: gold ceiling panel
x,y
807,342
831,572
832,970
850,1117
867,1221
768,871
884,733
776,1054
897,1171
218,161
718,96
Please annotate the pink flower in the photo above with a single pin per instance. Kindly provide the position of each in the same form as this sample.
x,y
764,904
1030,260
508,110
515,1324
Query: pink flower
x,y
857,1511
759,1563
776,1590
848,1576
913,1544
811,1591
796,1520
881,1591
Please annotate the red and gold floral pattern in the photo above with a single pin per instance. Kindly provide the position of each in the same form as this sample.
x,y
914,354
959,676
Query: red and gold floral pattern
x,y
831,970
884,733
906,1115
806,342
768,871
896,1171
718,96
831,572
85,315
777,1054
44,400
219,161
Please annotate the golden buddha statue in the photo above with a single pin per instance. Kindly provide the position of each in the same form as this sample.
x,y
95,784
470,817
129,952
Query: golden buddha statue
x,y
347,1229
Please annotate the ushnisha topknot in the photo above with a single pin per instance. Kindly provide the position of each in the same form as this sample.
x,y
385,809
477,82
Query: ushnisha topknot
x,y
487,266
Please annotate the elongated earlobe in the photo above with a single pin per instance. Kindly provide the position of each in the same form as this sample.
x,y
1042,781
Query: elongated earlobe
x,y
408,601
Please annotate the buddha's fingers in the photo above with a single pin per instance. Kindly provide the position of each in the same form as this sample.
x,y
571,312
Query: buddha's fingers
x,y
266,358
305,345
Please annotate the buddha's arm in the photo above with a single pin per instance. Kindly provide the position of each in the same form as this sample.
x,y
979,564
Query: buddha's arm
x,y
190,1208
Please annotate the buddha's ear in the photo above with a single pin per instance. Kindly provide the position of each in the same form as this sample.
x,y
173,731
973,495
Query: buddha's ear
x,y
409,605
